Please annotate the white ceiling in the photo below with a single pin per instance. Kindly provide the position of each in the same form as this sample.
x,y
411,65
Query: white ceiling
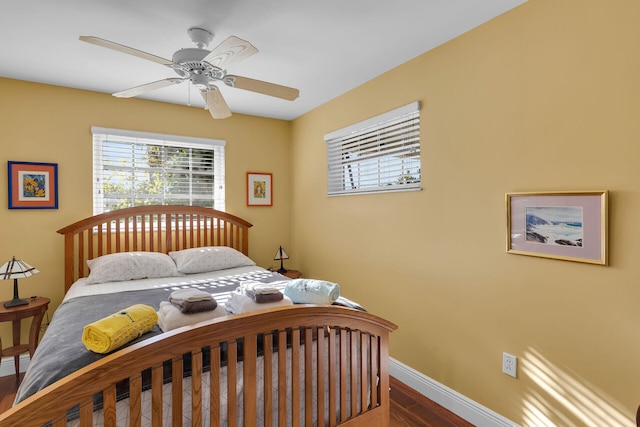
x,y
324,47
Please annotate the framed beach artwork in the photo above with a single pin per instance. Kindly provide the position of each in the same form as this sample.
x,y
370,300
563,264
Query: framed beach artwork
x,y
33,185
259,189
570,226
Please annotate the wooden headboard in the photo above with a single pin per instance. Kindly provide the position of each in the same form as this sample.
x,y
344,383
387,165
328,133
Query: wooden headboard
x,y
148,229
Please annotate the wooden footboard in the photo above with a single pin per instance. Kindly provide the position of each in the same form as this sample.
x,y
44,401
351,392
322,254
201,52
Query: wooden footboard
x,y
305,365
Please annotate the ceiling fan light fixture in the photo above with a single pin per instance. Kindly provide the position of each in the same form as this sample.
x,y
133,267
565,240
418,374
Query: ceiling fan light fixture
x,y
199,81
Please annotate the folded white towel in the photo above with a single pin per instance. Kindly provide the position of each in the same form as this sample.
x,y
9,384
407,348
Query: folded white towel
x,y
309,291
190,295
241,303
257,288
170,317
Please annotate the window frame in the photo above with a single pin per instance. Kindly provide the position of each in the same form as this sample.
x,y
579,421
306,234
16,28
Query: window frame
x,y
136,138
387,154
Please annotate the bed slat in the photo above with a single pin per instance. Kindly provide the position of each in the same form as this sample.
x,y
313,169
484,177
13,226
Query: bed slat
x,y
196,389
374,370
282,376
320,377
344,375
86,414
232,403
268,380
81,258
353,369
109,401
333,363
156,396
135,400
214,393
364,368
308,376
249,380
295,377
176,391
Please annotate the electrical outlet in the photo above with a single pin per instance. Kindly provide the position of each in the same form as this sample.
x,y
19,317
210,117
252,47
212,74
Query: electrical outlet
x,y
509,364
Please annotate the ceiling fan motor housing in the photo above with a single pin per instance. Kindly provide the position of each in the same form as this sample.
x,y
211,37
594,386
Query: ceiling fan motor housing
x,y
191,66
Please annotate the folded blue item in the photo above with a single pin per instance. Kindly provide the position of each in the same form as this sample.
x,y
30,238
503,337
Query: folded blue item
x,y
310,291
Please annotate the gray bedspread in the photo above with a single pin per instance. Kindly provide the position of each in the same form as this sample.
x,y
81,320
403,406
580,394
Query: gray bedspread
x,y
61,350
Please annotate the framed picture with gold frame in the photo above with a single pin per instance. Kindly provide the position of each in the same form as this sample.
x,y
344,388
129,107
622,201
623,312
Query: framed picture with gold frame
x,y
259,189
33,185
569,226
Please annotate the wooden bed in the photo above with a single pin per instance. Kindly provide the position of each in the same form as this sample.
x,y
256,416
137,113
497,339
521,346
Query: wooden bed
x,y
332,361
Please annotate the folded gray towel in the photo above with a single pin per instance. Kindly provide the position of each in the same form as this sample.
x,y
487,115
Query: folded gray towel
x,y
189,307
261,298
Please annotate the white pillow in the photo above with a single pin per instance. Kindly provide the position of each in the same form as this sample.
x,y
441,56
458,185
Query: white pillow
x,y
129,266
209,258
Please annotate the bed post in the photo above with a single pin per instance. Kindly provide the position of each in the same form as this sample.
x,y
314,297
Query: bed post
x,y
245,241
68,261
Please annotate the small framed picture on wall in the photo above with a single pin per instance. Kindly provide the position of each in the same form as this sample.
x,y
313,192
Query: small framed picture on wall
x,y
33,185
259,189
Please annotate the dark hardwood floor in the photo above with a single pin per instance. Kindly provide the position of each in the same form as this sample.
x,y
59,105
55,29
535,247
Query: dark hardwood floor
x,y
8,388
408,407
411,409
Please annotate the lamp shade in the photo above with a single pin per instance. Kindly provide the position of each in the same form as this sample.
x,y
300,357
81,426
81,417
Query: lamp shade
x,y
281,254
16,269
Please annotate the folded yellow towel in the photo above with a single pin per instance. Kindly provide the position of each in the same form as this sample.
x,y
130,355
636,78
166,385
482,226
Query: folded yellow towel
x,y
114,331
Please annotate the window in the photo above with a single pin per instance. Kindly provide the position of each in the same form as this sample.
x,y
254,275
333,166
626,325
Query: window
x,y
139,168
377,155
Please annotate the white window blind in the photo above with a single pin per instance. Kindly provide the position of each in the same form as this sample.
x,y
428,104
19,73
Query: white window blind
x,y
140,168
376,155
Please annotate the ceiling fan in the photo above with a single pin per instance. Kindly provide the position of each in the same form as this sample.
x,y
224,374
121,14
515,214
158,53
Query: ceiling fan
x,y
203,68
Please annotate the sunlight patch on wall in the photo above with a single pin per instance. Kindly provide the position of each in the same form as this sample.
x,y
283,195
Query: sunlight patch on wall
x,y
565,399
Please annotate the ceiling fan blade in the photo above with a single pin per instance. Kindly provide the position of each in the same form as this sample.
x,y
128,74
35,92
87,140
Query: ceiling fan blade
x,y
216,104
126,49
135,91
230,52
260,86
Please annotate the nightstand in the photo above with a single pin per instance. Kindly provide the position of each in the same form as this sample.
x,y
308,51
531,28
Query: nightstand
x,y
36,308
292,274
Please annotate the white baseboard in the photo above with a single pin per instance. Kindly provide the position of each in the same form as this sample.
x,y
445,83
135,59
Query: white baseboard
x,y
7,366
453,401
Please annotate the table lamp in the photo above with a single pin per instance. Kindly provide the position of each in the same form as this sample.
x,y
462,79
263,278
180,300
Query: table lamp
x,y
16,269
281,255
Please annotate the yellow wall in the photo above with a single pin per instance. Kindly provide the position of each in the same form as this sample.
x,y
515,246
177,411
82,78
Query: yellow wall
x,y
545,97
43,123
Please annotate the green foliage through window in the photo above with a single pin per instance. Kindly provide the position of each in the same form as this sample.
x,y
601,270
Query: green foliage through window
x,y
133,171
